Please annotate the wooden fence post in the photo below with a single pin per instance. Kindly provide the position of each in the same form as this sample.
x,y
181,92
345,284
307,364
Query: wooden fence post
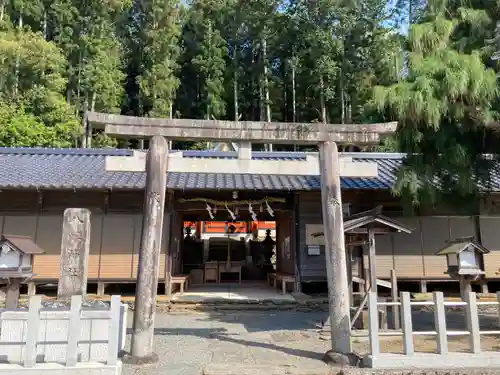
x,y
373,327
32,327
114,330
472,322
73,330
396,318
440,323
407,323
498,299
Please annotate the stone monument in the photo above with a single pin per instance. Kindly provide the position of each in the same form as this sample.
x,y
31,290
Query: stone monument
x,y
75,245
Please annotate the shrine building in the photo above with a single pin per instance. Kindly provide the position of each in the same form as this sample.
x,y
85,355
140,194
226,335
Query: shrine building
x,y
229,214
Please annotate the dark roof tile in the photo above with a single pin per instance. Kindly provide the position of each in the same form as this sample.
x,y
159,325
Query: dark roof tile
x,y
47,168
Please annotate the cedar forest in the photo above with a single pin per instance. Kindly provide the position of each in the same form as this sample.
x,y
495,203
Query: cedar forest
x,y
430,65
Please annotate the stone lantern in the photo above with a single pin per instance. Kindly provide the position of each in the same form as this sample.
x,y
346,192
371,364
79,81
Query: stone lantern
x,y
463,256
16,264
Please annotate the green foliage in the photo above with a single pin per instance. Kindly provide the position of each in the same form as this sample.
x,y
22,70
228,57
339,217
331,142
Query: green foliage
x,y
20,128
31,83
28,64
443,107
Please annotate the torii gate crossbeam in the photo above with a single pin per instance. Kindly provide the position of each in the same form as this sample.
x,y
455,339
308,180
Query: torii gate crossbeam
x,y
250,131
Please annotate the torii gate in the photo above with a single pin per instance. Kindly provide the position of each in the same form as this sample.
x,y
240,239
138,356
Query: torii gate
x,y
245,133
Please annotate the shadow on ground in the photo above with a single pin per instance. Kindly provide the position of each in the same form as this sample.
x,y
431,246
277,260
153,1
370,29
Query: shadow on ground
x,y
222,335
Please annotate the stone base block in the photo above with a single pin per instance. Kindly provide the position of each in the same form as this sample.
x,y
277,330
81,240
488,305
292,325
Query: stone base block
x,y
433,361
82,368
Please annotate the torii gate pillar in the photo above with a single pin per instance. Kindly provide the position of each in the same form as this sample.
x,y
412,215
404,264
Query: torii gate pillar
x,y
149,254
336,262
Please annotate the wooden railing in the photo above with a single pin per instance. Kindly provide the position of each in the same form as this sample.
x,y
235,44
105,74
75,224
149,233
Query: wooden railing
x,y
440,332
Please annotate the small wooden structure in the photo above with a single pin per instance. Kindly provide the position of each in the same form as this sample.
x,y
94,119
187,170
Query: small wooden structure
x,y
16,264
371,223
277,277
463,256
183,282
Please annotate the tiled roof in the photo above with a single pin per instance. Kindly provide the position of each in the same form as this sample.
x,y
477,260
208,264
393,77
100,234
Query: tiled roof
x,y
85,168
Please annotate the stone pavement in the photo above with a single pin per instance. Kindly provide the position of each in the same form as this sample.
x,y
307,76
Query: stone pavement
x,y
187,343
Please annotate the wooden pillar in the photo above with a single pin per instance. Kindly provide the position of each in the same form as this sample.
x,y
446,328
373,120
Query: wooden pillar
x,y
372,257
31,289
423,286
349,276
396,318
335,254
75,246
12,293
366,268
484,286
169,205
465,287
149,253
101,289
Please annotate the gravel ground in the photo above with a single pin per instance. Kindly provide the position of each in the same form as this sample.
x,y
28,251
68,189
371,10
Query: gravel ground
x,y
187,342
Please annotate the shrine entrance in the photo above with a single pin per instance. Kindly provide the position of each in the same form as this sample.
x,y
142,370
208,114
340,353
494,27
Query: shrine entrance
x,y
237,239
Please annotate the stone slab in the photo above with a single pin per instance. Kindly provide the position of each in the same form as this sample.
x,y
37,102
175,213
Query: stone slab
x,y
75,247
434,361
88,368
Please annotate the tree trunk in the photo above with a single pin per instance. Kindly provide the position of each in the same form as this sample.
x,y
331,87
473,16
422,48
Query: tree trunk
x,y
285,94
294,93
2,9
410,13
79,79
322,100
342,98
267,103
208,118
45,29
170,116
16,74
87,126
85,129
349,111
235,82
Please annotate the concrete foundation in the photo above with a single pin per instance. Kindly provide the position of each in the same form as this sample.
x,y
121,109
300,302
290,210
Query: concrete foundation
x,y
87,368
490,360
